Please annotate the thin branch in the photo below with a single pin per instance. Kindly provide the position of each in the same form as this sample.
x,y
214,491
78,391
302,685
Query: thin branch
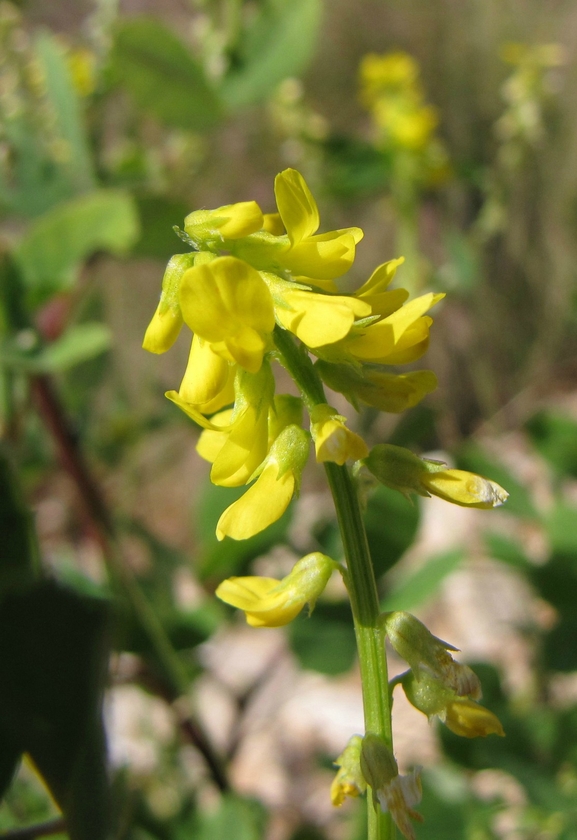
x,y
97,513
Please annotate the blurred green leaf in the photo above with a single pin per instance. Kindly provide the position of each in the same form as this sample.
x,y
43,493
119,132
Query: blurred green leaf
x,y
162,76
473,458
67,113
278,44
53,658
55,245
555,437
423,584
561,525
391,522
241,819
353,168
158,216
78,344
325,640
506,550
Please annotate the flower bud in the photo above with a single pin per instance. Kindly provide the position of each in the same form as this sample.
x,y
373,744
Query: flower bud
x,y
233,221
166,322
401,470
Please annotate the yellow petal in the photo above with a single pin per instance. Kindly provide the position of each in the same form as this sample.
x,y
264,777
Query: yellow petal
x,y
233,221
163,329
464,488
244,450
333,441
297,207
320,319
206,374
227,303
262,504
211,442
325,256
192,411
470,720
380,279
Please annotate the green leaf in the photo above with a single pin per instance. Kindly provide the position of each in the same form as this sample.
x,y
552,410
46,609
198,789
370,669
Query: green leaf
x,y
78,344
158,216
67,113
53,658
507,550
561,529
56,245
162,76
279,44
424,583
325,640
241,819
391,522
555,437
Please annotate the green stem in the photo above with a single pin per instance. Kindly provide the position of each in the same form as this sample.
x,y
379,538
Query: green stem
x,y
360,579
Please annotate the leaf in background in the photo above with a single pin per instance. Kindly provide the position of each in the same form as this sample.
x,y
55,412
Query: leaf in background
x,y
279,43
53,657
57,243
158,215
561,526
507,550
391,522
324,641
162,76
77,161
78,344
555,437
234,819
472,457
423,583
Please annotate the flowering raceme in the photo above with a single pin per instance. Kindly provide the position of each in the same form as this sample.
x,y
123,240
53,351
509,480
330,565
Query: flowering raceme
x,y
249,272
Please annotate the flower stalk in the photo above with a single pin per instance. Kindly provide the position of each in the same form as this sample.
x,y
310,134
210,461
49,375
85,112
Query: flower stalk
x,y
359,578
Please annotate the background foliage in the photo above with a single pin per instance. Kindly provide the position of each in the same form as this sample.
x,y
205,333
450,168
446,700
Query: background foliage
x,y
118,118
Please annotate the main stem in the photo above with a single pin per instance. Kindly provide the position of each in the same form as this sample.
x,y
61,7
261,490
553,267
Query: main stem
x,y
360,578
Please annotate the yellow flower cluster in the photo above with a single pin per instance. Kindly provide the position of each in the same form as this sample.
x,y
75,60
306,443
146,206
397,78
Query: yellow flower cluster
x,y
391,91
248,276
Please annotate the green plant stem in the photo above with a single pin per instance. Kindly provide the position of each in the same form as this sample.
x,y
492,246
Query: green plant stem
x,y
360,576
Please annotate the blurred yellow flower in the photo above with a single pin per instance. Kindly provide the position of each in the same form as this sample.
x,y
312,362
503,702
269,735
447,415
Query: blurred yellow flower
x,y
464,488
268,602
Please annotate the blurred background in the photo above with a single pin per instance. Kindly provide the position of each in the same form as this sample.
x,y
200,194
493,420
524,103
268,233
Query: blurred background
x,y
447,132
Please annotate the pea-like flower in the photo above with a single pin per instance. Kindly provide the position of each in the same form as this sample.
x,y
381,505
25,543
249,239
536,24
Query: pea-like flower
x,y
227,303
404,471
389,392
333,441
233,221
237,452
167,321
461,715
268,602
267,499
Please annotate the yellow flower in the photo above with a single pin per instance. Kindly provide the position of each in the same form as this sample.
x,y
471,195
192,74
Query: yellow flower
x,y
333,441
349,780
395,72
166,322
314,318
268,498
245,445
268,602
227,303
434,698
404,471
399,338
323,256
464,488
470,720
389,392
233,221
